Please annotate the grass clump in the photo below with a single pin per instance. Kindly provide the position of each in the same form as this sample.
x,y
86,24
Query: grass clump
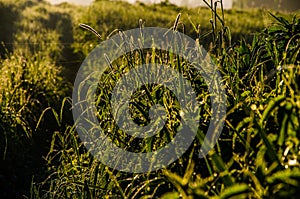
x,y
29,85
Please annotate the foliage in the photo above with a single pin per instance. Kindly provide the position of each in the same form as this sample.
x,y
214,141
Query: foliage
x,y
257,155
30,83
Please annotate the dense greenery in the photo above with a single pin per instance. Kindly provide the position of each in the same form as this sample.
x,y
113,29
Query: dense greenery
x,y
30,83
258,54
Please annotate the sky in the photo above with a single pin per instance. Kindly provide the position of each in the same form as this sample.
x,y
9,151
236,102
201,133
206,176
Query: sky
x,y
189,3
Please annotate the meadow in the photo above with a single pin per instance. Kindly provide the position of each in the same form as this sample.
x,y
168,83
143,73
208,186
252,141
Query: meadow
x,y
257,53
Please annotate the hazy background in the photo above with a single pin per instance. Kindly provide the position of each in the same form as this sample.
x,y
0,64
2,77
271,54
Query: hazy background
x,y
280,5
188,3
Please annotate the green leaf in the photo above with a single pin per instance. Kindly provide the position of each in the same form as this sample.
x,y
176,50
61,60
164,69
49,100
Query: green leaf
x,y
237,190
171,195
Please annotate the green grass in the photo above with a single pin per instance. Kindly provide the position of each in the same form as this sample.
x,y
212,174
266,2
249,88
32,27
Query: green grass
x,y
257,155
30,83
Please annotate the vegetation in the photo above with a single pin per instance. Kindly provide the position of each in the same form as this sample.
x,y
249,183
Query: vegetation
x,y
257,53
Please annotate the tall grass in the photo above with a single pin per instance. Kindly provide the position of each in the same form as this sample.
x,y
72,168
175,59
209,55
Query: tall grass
x,y
30,83
257,155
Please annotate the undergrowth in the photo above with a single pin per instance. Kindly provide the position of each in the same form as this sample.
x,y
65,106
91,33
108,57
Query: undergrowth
x,y
256,156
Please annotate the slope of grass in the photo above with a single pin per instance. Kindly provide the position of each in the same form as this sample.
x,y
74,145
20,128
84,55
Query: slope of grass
x,y
106,17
